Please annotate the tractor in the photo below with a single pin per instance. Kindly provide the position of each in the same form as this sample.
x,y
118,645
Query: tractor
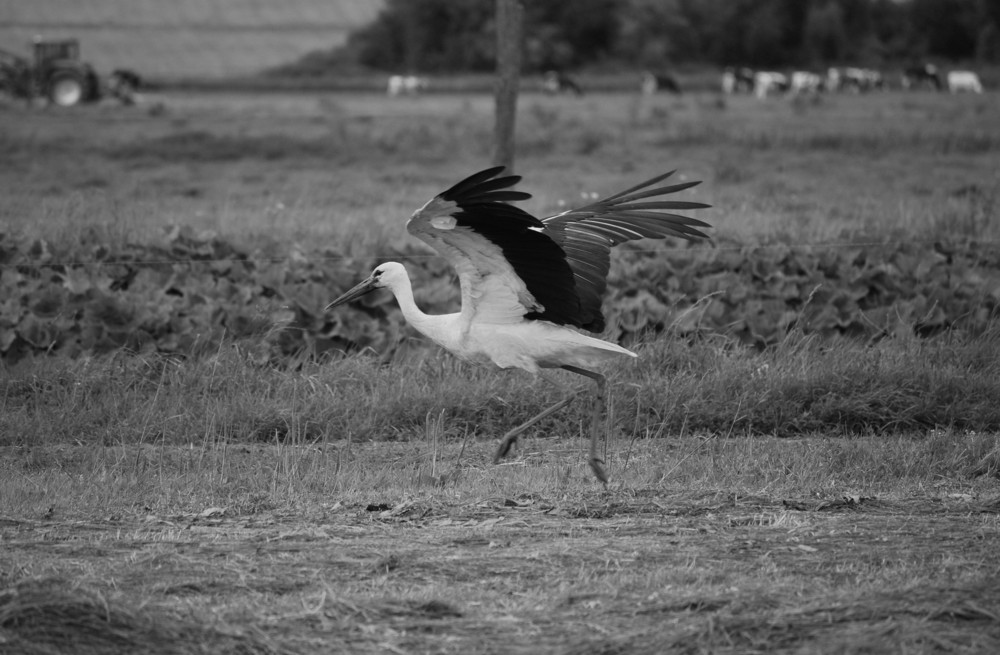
x,y
58,74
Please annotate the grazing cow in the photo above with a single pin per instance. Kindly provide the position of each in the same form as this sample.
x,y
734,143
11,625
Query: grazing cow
x,y
863,80
856,80
559,82
923,75
405,85
737,80
767,82
804,82
964,81
653,82
834,77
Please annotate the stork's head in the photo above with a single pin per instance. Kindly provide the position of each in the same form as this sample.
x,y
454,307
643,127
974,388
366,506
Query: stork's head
x,y
386,275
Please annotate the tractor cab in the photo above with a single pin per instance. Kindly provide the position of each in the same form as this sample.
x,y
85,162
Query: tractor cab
x,y
61,76
47,52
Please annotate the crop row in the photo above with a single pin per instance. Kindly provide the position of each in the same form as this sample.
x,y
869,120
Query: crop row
x,y
192,294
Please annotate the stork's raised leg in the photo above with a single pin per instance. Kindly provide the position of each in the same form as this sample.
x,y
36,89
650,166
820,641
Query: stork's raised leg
x,y
598,409
509,439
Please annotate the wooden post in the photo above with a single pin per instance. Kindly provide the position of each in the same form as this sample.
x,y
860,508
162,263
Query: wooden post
x,y
510,20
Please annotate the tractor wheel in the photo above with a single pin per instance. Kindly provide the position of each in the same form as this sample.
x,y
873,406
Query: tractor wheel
x,y
67,88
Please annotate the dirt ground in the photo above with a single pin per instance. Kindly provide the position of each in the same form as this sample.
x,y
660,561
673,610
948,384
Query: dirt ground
x,y
600,572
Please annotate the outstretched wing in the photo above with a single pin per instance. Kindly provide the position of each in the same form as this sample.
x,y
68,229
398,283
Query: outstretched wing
x,y
508,266
587,234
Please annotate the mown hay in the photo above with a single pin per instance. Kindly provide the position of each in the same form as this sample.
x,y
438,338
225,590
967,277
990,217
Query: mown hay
x,y
49,616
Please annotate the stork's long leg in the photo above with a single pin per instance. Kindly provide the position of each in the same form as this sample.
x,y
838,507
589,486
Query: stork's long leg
x,y
598,409
510,438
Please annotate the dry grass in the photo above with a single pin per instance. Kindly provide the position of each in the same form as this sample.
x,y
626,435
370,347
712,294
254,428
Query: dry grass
x,y
689,552
43,616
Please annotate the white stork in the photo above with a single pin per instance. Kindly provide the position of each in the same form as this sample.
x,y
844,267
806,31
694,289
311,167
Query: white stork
x,y
529,285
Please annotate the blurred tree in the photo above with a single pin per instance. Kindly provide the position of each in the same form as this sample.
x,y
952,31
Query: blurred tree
x,y
427,35
948,27
824,34
988,38
716,33
991,11
444,35
658,34
889,24
988,44
764,29
568,34
450,35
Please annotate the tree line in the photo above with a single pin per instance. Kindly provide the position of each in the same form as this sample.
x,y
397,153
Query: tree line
x,y
439,36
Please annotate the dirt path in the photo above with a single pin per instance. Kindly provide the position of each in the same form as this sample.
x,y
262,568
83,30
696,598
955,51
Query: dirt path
x,y
636,573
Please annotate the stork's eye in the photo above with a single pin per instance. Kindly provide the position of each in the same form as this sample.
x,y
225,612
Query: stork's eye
x,y
377,273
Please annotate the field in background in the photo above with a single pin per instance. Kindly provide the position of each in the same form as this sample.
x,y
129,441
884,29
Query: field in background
x,y
187,39
320,166
159,504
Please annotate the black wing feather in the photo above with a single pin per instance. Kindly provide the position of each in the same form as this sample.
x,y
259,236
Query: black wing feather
x,y
477,188
563,260
588,233
538,260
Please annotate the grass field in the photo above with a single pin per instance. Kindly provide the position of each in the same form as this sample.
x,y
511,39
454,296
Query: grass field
x,y
307,166
819,496
186,39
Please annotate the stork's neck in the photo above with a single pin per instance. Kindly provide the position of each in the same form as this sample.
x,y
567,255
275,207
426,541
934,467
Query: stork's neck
x,y
443,329
403,290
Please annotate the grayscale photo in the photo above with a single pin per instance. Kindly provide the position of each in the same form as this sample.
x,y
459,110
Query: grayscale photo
x,y
499,326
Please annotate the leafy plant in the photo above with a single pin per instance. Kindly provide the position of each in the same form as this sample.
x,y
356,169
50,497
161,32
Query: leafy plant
x,y
193,292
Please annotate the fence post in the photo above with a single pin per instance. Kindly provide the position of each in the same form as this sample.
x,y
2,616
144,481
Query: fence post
x,y
510,20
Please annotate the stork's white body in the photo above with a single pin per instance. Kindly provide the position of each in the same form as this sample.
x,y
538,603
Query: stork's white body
x,y
529,285
511,343
529,345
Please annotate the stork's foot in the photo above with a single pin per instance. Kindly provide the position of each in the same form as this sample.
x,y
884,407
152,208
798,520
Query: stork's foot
x,y
504,448
597,466
510,438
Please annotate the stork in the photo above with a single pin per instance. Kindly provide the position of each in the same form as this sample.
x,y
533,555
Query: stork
x,y
531,287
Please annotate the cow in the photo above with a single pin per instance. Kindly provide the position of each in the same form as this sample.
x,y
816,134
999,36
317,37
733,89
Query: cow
x,y
857,80
964,81
399,85
653,82
922,75
862,80
805,82
559,82
767,82
737,80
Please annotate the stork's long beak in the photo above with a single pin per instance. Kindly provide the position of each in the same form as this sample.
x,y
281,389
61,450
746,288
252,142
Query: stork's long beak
x,y
361,289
